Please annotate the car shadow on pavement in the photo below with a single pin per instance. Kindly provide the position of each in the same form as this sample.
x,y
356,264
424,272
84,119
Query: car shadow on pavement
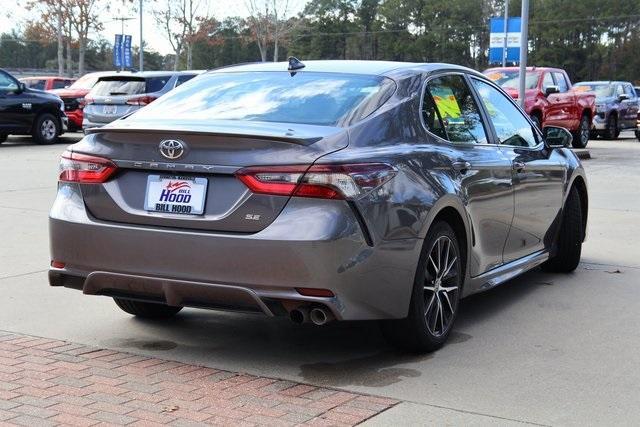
x,y
338,354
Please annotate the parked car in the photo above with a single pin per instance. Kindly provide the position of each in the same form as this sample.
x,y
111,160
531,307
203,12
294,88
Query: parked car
x,y
637,131
119,94
550,99
47,82
616,107
73,97
344,190
26,111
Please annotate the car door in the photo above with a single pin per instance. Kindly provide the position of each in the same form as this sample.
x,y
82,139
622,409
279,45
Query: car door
x,y
482,172
562,103
538,174
631,107
11,108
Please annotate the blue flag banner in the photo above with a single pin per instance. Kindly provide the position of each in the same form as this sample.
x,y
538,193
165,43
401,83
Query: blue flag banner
x,y
496,40
126,52
117,51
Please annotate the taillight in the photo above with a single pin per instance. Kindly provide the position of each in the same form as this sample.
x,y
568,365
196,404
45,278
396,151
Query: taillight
x,y
88,100
349,181
142,100
85,169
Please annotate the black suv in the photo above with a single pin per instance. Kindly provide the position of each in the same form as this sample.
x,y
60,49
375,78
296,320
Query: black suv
x,y
25,111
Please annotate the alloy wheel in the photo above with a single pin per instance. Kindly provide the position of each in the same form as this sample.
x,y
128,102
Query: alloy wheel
x,y
441,286
48,129
584,131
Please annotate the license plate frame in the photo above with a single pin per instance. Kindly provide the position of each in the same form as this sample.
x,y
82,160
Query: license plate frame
x,y
175,194
109,110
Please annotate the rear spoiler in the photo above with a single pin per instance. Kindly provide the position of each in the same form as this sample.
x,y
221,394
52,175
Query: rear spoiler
x,y
288,133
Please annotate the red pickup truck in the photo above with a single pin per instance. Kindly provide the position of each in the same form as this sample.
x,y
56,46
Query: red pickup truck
x,y
550,99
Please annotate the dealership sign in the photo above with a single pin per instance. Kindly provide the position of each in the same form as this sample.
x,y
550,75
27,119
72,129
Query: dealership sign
x,y
496,40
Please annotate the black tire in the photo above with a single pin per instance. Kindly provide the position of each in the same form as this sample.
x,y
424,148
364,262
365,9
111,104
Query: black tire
x,y
581,135
413,333
594,134
611,130
570,237
536,121
46,129
147,310
3,137
637,132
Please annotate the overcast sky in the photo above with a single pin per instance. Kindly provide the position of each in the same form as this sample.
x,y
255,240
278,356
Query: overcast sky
x,y
154,37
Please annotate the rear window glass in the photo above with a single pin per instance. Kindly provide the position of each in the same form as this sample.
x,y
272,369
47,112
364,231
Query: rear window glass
x,y
600,90
327,99
129,86
35,84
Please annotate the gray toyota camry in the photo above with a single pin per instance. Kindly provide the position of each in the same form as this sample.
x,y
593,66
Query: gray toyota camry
x,y
321,191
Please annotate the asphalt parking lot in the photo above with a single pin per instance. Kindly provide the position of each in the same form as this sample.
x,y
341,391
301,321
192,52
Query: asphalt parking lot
x,y
544,349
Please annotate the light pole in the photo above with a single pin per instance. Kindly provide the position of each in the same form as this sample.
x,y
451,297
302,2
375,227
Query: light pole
x,y
141,43
506,28
524,47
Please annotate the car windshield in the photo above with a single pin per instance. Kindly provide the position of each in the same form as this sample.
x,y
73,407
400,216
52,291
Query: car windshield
x,y
305,97
601,90
511,79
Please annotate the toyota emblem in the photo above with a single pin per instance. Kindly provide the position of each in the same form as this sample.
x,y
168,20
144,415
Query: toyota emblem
x,y
172,148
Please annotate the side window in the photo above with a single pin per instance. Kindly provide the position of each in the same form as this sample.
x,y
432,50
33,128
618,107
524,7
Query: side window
x,y
183,79
547,81
7,84
59,84
629,91
36,84
512,127
619,90
561,82
450,112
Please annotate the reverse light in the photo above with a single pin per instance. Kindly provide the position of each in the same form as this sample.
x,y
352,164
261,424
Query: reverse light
x,y
142,100
85,169
348,181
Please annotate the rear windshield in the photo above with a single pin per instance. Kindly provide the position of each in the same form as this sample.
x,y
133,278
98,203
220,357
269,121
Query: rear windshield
x,y
114,86
326,99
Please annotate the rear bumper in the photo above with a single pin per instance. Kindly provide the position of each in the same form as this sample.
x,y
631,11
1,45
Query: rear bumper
x,y
308,246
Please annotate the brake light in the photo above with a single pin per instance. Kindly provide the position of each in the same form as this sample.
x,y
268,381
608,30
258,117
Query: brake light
x,y
142,100
88,100
85,169
349,181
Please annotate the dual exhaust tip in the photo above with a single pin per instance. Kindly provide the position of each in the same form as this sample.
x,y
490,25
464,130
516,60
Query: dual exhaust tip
x,y
317,315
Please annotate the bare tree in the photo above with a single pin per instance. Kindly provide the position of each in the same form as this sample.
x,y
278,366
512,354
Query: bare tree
x,y
84,16
55,18
269,22
178,19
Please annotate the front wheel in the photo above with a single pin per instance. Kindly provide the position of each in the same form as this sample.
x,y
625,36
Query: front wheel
x,y
436,293
146,309
570,237
581,135
46,129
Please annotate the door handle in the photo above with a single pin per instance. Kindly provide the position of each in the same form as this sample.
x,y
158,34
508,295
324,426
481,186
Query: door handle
x,y
461,167
518,166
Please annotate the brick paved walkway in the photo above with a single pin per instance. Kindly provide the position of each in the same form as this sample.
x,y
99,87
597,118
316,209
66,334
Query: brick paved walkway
x,y
49,382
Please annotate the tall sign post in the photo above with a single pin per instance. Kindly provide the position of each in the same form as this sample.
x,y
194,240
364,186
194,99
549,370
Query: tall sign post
x,y
141,67
524,48
506,32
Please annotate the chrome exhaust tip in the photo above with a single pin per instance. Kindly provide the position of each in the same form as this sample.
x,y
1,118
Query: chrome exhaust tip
x,y
320,315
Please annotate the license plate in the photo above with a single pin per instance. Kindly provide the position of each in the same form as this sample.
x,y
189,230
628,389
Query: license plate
x,y
109,109
176,194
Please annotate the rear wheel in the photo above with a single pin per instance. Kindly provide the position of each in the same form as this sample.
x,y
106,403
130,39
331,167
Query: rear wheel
x,y
436,292
570,237
147,309
581,135
611,131
46,129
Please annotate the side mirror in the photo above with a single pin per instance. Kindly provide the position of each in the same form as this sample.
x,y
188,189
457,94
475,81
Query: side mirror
x,y
551,89
623,97
556,137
